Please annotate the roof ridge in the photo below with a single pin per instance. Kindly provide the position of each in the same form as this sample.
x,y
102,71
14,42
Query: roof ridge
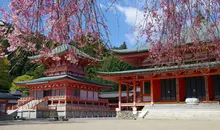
x,y
65,47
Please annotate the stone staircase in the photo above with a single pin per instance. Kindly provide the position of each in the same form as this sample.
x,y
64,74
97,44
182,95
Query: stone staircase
x,y
12,112
27,106
181,111
38,102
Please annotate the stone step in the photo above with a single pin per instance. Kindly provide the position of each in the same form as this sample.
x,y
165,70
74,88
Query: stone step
x,y
182,111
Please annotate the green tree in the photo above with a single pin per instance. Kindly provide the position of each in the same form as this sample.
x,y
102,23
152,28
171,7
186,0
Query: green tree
x,y
109,64
123,46
20,88
4,76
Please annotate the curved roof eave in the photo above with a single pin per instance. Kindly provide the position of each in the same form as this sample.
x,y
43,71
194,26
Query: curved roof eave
x,y
163,69
131,50
52,78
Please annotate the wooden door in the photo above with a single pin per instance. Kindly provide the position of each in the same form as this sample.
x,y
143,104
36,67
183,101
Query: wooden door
x,y
195,87
216,85
168,89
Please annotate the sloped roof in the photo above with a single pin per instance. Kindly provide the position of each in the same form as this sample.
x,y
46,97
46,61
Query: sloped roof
x,y
53,78
140,49
164,69
64,48
7,96
18,93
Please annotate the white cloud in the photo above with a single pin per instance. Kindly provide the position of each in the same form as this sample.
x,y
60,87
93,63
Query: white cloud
x,y
134,18
133,15
103,6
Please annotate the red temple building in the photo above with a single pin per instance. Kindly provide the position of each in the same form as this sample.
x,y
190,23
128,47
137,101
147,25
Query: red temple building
x,y
198,78
65,91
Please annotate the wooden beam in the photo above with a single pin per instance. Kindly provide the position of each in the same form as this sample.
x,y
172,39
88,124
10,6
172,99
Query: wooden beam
x,y
173,76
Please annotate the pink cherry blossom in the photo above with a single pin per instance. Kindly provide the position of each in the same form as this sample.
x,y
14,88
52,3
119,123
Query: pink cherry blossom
x,y
171,24
60,21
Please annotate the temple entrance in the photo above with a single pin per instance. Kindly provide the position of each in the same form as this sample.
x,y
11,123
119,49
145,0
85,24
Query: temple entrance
x,y
216,85
195,87
168,89
46,93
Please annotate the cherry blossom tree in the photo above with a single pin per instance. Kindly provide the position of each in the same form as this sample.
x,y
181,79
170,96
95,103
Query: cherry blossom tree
x,y
170,24
56,21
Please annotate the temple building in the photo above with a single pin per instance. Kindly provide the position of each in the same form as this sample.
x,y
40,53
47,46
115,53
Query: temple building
x,y
198,78
113,98
65,91
7,100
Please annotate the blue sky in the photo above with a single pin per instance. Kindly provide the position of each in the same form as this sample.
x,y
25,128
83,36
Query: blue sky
x,y
122,19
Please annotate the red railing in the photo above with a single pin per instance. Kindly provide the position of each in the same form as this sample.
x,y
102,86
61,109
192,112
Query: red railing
x,y
72,108
21,102
46,107
87,108
26,98
39,101
74,98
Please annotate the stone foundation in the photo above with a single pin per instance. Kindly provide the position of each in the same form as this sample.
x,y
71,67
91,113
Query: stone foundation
x,y
129,115
5,117
67,114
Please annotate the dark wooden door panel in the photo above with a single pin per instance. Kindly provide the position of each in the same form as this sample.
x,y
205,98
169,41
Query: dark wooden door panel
x,y
195,87
216,85
168,89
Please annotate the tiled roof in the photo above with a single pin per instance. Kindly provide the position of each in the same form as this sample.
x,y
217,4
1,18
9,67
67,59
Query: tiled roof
x,y
143,48
64,48
164,69
53,78
7,96
18,93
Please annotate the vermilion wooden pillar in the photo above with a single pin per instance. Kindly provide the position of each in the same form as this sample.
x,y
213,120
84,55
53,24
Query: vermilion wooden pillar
x,y
152,91
6,106
180,89
119,96
134,93
141,88
177,90
127,93
30,93
209,88
155,90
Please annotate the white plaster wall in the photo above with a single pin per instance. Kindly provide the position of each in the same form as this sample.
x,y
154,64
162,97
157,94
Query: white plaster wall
x,y
40,94
34,94
83,94
62,92
90,95
96,96
146,98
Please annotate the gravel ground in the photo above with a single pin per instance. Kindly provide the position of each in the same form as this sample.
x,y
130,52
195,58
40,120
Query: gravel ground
x,y
110,124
